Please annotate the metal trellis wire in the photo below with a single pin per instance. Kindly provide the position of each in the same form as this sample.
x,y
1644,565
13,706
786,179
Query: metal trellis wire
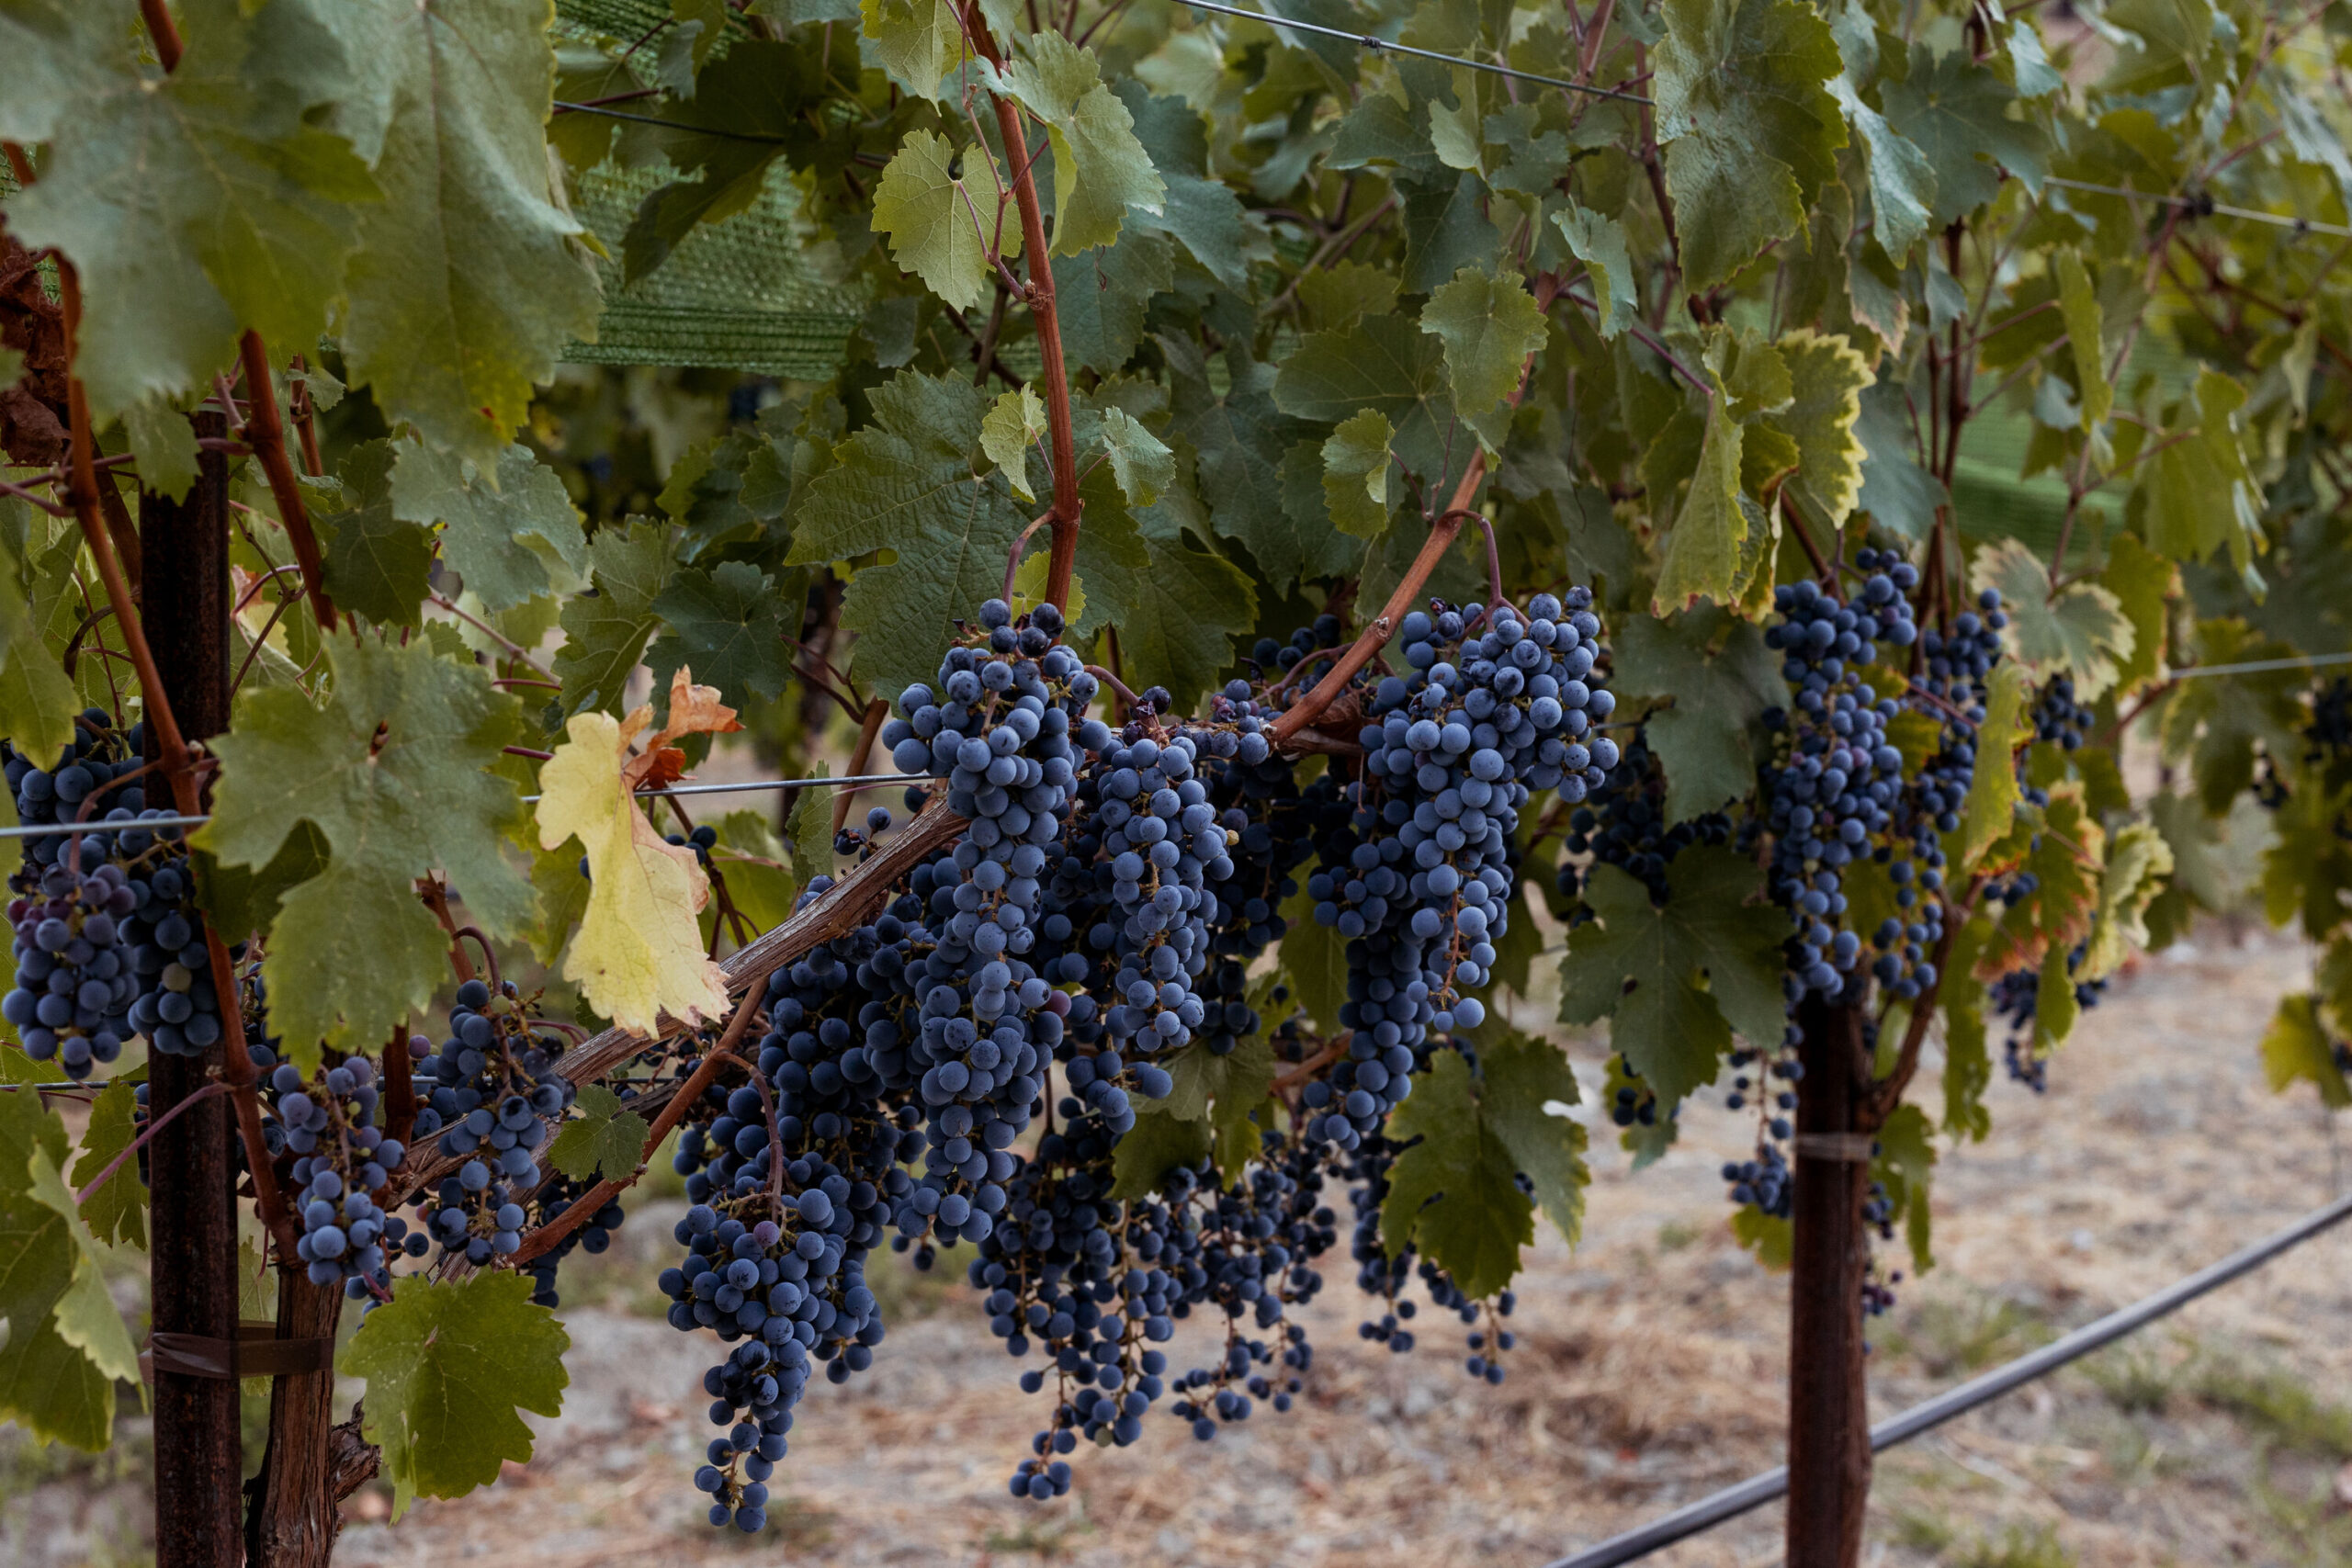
x,y
55,829
1382,46
1754,1493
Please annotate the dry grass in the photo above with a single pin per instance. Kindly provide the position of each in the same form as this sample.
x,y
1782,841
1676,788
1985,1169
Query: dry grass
x,y
1649,1372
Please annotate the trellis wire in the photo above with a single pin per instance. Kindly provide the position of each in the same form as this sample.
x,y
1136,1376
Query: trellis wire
x,y
1754,1493
1382,46
51,829
55,829
2205,204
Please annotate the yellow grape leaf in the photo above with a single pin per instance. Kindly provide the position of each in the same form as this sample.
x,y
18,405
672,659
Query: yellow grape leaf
x,y
638,952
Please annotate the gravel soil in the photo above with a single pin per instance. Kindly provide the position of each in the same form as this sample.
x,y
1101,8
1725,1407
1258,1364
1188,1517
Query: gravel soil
x,y
1648,1372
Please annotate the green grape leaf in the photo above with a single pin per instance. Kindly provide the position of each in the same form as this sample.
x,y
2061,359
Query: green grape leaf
x,y
604,1141
399,770
2082,631
1100,169
605,633
1968,1064
1202,213
755,105
468,282
2138,863
809,829
2078,306
1177,615
1015,423
1675,982
1238,439
1355,474
1955,112
1599,242
923,205
1222,1091
1140,462
162,443
1703,550
728,624
2221,725
1748,126
117,1212
917,41
906,484
1446,229
1826,377
1156,1144
1897,491
486,518
760,880
1386,364
47,1384
2197,494
1990,809
1771,1238
563,899
1720,677
1336,298
1905,1163
201,204
377,564
86,1317
1489,325
2297,1048
1902,181
1450,1191
1313,956
37,698
447,1366
241,900
57,57
2307,870
2144,585
1101,298
1519,1076
2057,1008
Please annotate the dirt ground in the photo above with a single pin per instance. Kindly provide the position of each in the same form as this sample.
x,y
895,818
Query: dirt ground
x,y
1649,1372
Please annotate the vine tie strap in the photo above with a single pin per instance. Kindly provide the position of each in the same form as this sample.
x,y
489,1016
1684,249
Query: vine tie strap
x,y
256,1352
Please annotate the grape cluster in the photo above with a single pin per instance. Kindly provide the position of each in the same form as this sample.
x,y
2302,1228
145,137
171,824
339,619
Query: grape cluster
x,y
2057,717
1000,732
1840,782
342,1160
1624,823
491,1093
1420,880
2017,999
108,942
556,1196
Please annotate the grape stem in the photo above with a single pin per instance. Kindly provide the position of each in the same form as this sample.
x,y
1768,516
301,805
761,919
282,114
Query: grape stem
x,y
1012,556
1125,696
265,431
705,1073
207,1092
1442,533
490,959
876,712
837,911
1039,296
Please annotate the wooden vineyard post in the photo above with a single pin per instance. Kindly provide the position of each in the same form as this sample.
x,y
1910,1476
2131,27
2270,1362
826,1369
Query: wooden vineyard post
x,y
1829,1443
185,610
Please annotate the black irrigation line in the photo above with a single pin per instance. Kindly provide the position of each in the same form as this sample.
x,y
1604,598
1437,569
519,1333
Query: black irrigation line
x,y
54,830
1754,1493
